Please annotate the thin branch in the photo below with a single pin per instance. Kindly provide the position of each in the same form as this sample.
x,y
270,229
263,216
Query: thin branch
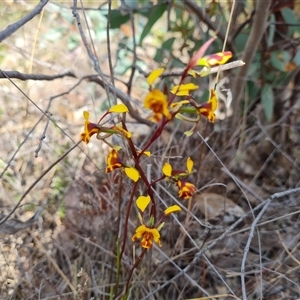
x,y
15,26
124,98
88,48
258,28
226,35
37,181
24,76
13,225
203,250
48,114
253,227
134,63
222,236
58,270
241,26
45,113
43,136
246,249
203,17
228,66
109,54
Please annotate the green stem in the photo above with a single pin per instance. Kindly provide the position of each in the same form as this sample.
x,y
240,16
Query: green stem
x,y
134,266
118,266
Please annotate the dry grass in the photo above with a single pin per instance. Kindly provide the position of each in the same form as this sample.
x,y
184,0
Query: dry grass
x,y
70,251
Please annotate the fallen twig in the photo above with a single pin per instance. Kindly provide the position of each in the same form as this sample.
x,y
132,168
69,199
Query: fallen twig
x,y
23,76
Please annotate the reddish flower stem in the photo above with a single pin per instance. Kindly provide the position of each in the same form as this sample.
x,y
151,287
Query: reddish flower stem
x,y
127,218
141,172
155,135
157,180
164,122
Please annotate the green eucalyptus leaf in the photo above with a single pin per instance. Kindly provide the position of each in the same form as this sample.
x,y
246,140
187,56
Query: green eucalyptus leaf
x,y
297,59
289,17
252,89
165,46
276,62
279,59
133,4
105,106
54,34
73,42
267,99
241,41
155,14
117,19
67,15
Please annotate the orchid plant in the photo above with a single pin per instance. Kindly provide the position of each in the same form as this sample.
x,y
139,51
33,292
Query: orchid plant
x,y
164,109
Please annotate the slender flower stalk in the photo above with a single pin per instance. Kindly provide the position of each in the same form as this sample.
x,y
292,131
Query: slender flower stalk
x,y
164,105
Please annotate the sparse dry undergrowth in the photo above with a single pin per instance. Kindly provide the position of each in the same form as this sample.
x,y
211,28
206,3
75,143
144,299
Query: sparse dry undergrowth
x,y
71,248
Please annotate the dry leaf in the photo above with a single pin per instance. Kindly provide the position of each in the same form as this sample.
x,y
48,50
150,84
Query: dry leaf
x,y
12,226
212,205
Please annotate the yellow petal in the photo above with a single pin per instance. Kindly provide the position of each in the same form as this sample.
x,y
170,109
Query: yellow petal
x,y
156,235
132,173
213,99
124,132
208,108
156,101
139,232
189,165
219,58
172,209
184,89
203,62
142,202
167,169
182,93
153,75
86,115
119,108
147,153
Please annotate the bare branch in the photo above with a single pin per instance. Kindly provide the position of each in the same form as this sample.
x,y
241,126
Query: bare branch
x,y
257,30
126,99
15,26
23,76
12,226
251,233
203,17
200,253
93,58
134,63
5,218
228,66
